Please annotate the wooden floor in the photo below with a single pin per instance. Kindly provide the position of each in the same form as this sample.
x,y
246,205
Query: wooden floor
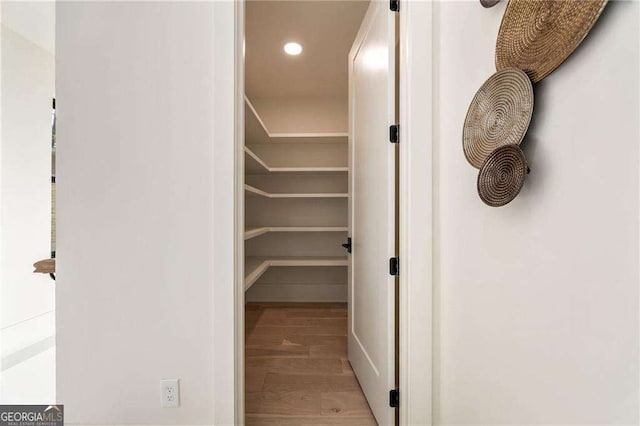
x,y
297,372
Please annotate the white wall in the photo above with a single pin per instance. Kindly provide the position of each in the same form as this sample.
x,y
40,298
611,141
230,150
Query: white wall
x,y
33,20
27,299
145,188
537,301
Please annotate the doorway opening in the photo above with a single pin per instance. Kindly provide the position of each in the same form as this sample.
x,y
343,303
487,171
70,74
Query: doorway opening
x,y
320,212
27,200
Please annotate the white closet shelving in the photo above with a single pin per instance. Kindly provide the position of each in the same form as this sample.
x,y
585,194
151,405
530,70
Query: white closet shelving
x,y
251,191
295,213
256,232
255,165
256,266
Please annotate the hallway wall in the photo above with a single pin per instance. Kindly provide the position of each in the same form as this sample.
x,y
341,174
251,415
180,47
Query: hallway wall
x,y
537,301
145,203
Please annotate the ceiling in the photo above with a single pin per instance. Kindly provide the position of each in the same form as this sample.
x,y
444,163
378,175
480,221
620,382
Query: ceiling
x,y
325,29
33,20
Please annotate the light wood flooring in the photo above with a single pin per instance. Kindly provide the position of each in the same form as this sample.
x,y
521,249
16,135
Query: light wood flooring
x,y
296,367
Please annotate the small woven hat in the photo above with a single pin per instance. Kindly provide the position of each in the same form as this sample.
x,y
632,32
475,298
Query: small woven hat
x,y
538,35
502,175
499,114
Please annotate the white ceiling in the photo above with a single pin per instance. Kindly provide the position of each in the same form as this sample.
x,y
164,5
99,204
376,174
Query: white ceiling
x,y
325,29
33,20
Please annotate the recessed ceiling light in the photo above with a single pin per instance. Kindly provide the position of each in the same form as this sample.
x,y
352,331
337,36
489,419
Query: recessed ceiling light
x,y
293,48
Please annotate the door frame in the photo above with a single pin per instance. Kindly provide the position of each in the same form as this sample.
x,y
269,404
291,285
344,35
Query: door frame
x,y
418,95
418,128
238,143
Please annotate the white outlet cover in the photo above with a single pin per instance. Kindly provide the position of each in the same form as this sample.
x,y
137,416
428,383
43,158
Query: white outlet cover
x,y
170,392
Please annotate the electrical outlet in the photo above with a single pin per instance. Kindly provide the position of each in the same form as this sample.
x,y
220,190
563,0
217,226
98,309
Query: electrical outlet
x,y
170,392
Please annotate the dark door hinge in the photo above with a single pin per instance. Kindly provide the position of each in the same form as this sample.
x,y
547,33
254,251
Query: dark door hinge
x,y
394,5
394,133
394,398
394,267
348,245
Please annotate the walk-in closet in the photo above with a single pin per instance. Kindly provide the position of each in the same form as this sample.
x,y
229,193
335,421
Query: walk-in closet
x,y
319,327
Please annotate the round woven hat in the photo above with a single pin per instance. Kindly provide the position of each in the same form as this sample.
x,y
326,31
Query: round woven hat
x,y
499,114
538,35
502,175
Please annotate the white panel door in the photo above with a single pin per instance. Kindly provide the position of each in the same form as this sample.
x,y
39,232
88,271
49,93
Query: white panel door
x,y
372,211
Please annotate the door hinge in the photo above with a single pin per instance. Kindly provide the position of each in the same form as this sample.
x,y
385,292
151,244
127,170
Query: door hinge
x,y
394,133
394,5
394,398
394,267
348,245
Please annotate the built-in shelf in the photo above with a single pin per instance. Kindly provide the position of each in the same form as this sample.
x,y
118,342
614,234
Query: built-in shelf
x,y
256,266
299,152
256,131
255,165
256,232
328,169
253,269
255,192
